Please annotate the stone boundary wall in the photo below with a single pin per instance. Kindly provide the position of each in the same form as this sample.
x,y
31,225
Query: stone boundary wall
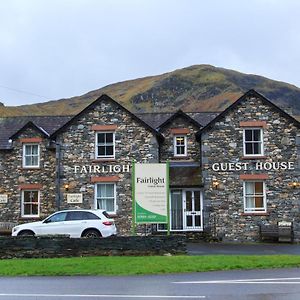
x,y
47,247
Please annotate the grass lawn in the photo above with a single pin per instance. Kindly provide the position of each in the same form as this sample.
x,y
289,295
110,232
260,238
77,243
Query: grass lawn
x,y
124,265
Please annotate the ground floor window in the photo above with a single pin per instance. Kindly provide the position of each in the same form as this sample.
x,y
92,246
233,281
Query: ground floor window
x,y
30,203
106,197
254,197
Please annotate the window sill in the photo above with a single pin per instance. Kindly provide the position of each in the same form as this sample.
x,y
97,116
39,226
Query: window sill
x,y
255,214
30,218
254,157
180,157
31,168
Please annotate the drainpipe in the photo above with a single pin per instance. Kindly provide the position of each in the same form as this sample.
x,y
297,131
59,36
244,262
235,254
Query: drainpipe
x,y
58,175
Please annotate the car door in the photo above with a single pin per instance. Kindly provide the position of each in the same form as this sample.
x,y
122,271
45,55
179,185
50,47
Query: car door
x,y
52,225
75,223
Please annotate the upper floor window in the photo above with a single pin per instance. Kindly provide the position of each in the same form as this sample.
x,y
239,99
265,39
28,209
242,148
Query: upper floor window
x,y
31,155
180,145
106,197
254,197
105,144
30,203
253,142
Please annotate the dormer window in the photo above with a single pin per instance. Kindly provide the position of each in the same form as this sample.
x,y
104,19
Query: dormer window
x,y
31,155
180,145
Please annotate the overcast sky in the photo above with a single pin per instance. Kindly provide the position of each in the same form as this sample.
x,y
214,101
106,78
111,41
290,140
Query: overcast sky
x,y
52,49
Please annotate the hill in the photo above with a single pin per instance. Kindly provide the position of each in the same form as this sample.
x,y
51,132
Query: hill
x,y
195,88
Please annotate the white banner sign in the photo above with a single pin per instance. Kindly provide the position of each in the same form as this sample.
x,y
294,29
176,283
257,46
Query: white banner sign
x,y
74,198
151,188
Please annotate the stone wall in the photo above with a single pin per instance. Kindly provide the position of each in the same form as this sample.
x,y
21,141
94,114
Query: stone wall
x,y
224,215
42,247
13,176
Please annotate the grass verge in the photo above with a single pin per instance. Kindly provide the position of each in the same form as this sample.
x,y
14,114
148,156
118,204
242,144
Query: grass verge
x,y
121,265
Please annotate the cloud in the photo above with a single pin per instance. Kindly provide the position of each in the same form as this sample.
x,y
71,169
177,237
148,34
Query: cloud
x,y
64,48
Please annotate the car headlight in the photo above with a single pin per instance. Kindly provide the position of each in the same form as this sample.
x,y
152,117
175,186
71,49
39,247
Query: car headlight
x,y
15,229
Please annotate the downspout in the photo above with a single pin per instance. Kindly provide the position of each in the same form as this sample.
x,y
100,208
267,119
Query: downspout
x,y
58,175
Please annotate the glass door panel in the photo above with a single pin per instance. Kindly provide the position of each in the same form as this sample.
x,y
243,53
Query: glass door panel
x,y
192,209
189,200
176,210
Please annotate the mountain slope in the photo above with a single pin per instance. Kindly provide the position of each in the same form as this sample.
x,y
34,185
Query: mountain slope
x,y
196,88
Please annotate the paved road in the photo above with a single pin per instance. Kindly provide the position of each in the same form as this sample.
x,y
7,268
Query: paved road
x,y
283,284
203,248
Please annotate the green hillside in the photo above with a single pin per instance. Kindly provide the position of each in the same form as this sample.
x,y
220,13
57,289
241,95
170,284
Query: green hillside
x,y
196,88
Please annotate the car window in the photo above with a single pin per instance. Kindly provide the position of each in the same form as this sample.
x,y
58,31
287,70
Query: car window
x,y
81,215
106,214
59,217
75,216
90,216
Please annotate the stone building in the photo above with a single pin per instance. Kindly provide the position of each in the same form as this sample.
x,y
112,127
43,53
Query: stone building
x,y
230,172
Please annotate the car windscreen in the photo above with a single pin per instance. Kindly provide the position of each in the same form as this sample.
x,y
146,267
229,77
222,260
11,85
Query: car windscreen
x,y
59,217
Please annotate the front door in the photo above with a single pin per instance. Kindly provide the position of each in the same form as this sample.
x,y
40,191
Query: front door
x,y
192,210
185,210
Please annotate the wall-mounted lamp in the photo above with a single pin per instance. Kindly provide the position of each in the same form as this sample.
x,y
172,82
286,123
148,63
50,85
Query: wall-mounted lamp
x,y
66,186
215,184
294,184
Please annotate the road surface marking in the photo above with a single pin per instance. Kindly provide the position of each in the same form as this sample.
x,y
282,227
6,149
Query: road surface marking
x,y
103,296
289,280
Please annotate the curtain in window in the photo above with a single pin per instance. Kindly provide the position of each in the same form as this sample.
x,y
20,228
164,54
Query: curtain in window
x,y
106,196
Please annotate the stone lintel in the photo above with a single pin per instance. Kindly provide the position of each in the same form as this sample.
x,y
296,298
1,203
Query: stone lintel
x,y
95,179
253,124
180,130
104,127
30,140
30,186
254,176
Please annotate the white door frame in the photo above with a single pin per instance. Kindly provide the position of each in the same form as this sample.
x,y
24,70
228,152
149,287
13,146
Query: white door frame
x,y
193,213
184,213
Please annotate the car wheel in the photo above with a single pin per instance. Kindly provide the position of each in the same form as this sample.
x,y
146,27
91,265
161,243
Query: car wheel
x,y
91,233
26,233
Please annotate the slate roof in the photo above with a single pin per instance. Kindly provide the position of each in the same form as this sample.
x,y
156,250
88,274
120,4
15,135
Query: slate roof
x,y
156,119
50,125
10,125
203,117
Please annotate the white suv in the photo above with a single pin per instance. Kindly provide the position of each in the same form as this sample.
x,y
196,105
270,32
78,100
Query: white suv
x,y
75,223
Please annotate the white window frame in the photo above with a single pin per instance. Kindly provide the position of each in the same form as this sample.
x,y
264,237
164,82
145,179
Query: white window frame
x,y
24,156
261,141
109,144
115,195
253,210
22,204
175,145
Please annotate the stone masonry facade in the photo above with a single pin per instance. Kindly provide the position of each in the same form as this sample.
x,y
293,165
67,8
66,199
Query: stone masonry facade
x,y
132,142
15,178
169,131
223,143
69,165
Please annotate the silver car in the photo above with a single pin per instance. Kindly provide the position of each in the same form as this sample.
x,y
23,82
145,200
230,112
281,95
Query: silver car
x,y
74,223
